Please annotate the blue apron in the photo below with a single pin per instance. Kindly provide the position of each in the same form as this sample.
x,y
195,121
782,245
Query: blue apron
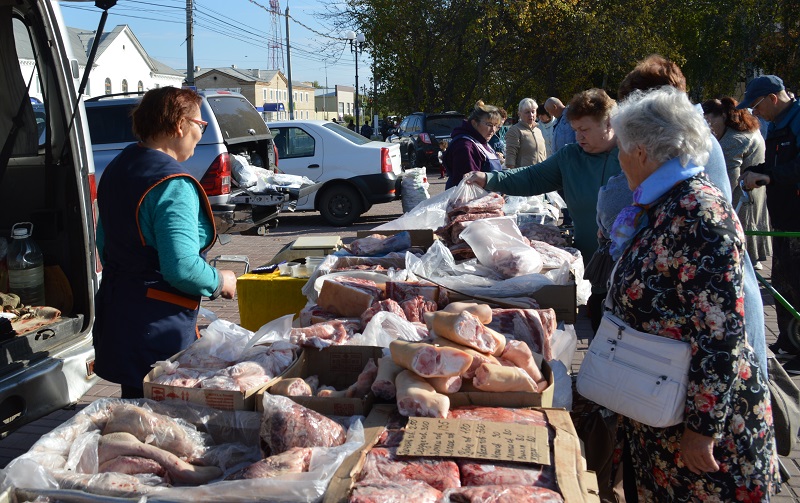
x,y
140,317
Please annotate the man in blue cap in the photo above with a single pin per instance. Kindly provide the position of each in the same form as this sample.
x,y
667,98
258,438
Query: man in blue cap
x,y
780,172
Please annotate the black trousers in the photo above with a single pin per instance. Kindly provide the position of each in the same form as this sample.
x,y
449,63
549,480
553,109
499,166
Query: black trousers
x,y
786,280
131,391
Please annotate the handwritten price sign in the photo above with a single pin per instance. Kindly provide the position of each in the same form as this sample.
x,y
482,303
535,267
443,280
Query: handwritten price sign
x,y
475,439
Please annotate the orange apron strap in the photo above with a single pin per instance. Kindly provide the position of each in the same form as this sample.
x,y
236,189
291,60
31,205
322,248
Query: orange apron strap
x,y
172,298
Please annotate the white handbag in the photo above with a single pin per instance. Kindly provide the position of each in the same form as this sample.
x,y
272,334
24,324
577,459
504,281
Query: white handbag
x,y
636,374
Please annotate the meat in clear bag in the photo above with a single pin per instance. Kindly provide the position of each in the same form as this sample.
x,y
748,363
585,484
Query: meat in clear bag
x,y
499,245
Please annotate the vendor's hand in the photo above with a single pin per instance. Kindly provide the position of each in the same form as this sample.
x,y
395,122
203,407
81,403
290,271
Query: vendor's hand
x,y
697,452
228,284
476,178
752,180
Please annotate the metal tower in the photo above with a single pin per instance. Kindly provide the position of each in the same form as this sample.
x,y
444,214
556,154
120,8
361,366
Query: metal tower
x,y
275,37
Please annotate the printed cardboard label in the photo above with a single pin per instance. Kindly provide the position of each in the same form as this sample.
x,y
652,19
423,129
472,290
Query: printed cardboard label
x,y
475,439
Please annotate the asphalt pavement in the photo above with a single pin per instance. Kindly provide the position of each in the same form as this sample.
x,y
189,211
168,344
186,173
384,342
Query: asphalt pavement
x,y
261,249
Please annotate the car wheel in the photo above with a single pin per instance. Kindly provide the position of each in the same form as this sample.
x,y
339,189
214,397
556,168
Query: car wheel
x,y
341,205
412,158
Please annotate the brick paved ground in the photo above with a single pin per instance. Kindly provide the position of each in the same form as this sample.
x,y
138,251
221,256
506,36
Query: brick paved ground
x,y
260,249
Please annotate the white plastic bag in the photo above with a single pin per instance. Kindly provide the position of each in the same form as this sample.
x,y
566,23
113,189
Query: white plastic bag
x,y
243,173
384,328
498,243
415,188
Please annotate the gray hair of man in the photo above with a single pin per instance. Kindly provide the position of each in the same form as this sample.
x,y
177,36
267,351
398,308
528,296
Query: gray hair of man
x,y
527,104
665,123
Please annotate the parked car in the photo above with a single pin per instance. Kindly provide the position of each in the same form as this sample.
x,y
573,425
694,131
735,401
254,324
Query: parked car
x,y
354,172
418,136
47,179
234,127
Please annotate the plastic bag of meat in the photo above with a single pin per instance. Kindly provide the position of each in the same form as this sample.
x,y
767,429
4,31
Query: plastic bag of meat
x,y
385,327
286,424
379,244
382,463
221,343
498,244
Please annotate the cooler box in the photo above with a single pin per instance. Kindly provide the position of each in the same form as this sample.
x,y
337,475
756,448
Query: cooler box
x,y
265,297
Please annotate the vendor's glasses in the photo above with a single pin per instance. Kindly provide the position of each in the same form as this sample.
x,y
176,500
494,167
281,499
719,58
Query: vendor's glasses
x,y
755,105
201,124
491,125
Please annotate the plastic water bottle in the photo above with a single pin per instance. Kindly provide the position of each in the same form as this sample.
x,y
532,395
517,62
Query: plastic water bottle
x,y
25,266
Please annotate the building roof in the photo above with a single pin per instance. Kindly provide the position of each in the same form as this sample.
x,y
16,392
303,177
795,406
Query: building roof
x,y
252,75
82,41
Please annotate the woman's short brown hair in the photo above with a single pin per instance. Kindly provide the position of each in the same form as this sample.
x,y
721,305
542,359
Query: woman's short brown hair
x,y
591,103
161,110
651,72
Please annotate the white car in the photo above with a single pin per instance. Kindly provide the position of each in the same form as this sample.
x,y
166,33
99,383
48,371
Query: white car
x,y
354,171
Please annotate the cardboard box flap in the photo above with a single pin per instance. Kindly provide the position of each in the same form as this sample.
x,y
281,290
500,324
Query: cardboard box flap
x,y
374,425
573,481
422,238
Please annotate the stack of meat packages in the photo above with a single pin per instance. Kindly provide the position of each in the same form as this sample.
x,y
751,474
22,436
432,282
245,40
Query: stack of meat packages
x,y
196,367
459,213
143,452
347,304
386,476
462,353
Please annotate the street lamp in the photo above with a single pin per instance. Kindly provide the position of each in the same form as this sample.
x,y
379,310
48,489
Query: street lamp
x,y
357,47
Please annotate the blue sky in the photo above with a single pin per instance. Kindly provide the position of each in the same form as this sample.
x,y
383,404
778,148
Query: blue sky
x,y
234,32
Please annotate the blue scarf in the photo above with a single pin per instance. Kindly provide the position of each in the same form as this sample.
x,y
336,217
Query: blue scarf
x,y
633,218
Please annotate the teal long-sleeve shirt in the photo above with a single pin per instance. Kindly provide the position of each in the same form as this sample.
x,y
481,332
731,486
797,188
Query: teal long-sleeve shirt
x,y
173,223
579,174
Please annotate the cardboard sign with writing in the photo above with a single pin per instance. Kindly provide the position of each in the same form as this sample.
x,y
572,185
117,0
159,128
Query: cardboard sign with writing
x,y
475,439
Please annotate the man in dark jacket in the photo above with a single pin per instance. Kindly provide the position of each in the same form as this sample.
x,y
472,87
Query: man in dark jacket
x,y
780,172
366,130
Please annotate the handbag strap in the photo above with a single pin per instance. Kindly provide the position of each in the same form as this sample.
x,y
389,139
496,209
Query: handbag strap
x,y
607,303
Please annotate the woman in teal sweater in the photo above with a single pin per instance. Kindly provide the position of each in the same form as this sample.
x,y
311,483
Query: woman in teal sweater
x,y
579,169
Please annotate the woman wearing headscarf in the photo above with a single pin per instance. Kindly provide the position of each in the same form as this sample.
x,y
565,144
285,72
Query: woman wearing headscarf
x,y
679,275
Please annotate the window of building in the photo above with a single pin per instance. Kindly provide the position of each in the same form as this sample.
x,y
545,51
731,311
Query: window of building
x,y
124,85
108,86
140,87
265,95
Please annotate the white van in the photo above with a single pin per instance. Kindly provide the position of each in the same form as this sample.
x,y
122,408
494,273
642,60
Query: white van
x,y
47,178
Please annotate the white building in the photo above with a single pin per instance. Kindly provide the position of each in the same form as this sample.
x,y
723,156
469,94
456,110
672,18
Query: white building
x,y
121,64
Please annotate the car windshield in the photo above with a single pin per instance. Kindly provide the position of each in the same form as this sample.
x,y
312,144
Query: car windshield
x,y
443,126
346,133
236,117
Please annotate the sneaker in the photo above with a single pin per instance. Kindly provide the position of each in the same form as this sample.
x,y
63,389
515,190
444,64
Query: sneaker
x,y
792,367
780,351
757,266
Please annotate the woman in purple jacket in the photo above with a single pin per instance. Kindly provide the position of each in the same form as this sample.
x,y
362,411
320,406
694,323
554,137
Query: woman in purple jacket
x,y
469,149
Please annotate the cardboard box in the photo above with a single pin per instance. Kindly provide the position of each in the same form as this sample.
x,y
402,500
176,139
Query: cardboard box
x,y
215,398
337,366
577,485
562,299
510,399
421,238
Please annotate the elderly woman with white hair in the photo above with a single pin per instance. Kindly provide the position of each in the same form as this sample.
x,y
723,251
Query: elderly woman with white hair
x,y
679,276
524,141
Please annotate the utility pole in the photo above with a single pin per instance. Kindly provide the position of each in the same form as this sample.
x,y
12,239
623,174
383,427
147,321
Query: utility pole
x,y
189,45
289,66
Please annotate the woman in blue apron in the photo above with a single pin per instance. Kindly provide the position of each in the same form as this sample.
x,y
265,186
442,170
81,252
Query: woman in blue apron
x,y
155,226
469,148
